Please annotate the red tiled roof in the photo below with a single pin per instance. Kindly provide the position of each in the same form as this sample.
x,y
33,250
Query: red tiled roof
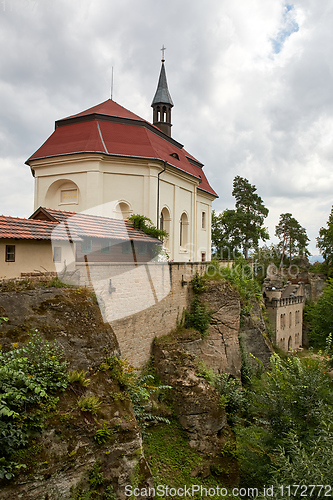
x,y
93,226
70,226
108,108
27,229
110,129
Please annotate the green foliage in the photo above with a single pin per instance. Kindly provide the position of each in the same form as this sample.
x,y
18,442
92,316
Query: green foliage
x,y
240,276
325,243
242,228
319,316
2,319
120,370
250,214
94,486
247,370
79,378
294,463
57,283
103,434
28,378
89,403
293,237
174,463
226,240
232,393
294,395
198,317
198,283
233,396
140,394
289,410
146,225
262,257
139,388
96,477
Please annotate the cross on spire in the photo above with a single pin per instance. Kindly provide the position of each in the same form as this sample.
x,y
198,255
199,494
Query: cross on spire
x,y
163,50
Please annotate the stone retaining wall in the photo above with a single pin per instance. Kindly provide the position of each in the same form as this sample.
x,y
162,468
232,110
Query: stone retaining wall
x,y
140,301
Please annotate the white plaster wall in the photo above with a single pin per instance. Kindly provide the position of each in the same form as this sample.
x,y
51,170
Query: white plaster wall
x,y
102,181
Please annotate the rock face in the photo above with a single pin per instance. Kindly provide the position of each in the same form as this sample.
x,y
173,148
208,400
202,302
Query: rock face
x,y
61,460
220,350
195,401
177,360
314,289
253,335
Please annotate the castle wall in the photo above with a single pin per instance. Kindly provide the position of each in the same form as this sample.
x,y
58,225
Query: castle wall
x,y
140,301
286,316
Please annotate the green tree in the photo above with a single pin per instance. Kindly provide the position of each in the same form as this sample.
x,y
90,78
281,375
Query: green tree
x,y
264,256
241,228
225,235
293,237
288,423
325,241
250,214
320,316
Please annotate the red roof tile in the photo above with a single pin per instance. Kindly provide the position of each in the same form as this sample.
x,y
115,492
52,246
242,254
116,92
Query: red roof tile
x,y
80,226
108,108
70,226
27,229
110,129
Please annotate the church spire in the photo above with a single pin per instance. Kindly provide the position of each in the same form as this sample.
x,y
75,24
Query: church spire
x,y
162,102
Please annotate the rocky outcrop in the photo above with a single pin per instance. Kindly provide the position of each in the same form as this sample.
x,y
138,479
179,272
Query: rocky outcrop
x,y
195,401
178,357
254,337
62,459
220,350
314,289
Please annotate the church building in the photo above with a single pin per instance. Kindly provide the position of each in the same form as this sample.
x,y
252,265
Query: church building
x,y
109,162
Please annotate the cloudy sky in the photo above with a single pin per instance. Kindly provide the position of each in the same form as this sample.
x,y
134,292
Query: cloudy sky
x,y
251,80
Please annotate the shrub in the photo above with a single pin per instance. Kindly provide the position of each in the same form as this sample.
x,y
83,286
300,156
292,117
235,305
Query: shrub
x,y
89,403
79,377
103,434
198,283
198,317
240,276
320,316
28,378
289,419
146,225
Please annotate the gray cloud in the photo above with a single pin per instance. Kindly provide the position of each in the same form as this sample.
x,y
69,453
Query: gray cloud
x,y
253,96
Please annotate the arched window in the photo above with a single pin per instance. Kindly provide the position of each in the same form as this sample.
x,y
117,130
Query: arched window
x,y
290,344
165,224
183,235
122,210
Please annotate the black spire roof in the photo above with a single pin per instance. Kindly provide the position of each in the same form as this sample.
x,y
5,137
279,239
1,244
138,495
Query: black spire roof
x,y
162,95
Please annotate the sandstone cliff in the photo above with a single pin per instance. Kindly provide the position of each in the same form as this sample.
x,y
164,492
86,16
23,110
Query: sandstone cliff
x,y
63,460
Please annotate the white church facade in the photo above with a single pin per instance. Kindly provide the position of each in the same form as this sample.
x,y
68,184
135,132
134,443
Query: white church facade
x,y
109,162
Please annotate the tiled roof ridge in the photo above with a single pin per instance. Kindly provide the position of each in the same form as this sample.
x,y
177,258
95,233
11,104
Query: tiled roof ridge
x,y
27,220
62,211
92,110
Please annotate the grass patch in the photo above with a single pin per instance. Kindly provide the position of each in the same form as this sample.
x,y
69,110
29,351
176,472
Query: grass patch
x,y
173,463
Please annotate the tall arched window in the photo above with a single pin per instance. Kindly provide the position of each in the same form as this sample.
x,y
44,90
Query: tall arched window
x,y
183,235
165,224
